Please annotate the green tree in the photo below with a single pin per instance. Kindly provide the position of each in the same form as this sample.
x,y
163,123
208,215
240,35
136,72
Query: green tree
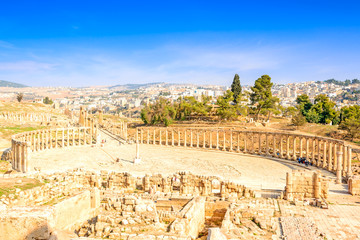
x,y
325,108
47,100
261,97
226,110
352,127
312,116
19,97
298,119
162,111
304,104
236,89
289,111
349,112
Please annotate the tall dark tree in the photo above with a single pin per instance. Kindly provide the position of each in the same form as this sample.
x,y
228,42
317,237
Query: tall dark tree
x,y
19,97
236,88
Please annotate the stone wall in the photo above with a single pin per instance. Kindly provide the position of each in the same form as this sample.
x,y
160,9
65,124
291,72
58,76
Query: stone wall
x,y
301,184
354,185
321,152
192,220
182,183
24,143
18,223
75,210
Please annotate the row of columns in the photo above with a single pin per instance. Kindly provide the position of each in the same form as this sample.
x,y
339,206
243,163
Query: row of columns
x,y
321,152
23,144
32,117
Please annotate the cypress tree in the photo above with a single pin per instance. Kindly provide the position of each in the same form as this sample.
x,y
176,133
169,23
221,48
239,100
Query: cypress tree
x,y
236,87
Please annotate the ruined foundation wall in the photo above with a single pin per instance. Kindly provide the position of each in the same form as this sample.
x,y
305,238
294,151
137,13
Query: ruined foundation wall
x,y
193,219
24,223
301,184
75,210
354,185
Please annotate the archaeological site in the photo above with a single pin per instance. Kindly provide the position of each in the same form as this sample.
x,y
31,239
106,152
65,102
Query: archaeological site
x,y
86,176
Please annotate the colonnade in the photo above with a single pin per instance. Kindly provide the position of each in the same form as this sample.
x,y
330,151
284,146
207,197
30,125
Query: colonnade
x,y
23,144
330,154
28,117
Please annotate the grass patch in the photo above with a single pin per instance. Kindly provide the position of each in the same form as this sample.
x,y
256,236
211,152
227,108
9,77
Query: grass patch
x,y
8,131
23,186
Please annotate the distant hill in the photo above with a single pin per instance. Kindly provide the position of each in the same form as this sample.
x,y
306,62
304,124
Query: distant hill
x,y
4,83
136,86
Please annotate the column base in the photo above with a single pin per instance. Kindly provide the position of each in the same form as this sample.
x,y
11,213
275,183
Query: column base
x,y
137,160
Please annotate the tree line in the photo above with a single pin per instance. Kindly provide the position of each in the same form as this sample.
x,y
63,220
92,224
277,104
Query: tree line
x,y
258,103
228,107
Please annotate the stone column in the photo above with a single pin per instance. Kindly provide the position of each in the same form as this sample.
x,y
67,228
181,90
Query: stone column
x,y
231,141
204,138
313,160
217,139
68,137
252,143
22,158
38,141
330,160
172,137
324,155
100,117
160,140
335,165
288,146
79,137
210,139
307,148
301,147
238,142
349,159
63,137
28,157
179,137
84,130
154,136
191,138
267,144
141,136
185,138
197,138
73,136
148,136
274,144
259,143
281,146
245,142
318,153
224,147
166,136
294,148
344,162
339,167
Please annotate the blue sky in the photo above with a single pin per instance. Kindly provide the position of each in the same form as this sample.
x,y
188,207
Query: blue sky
x,y
84,43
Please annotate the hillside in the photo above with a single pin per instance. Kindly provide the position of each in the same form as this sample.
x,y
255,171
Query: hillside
x,y
4,83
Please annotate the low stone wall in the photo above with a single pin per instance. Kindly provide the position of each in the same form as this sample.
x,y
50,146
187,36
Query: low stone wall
x,y
321,152
182,183
23,144
354,185
301,184
192,221
75,210
18,223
